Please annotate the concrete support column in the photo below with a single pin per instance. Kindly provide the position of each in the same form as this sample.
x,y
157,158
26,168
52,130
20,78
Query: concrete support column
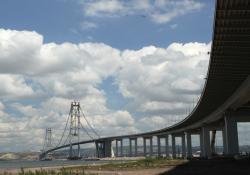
x,y
70,150
224,141
99,145
173,147
231,136
201,144
78,150
151,146
107,148
159,145
116,148
205,142
189,145
130,147
121,148
97,149
166,146
103,149
136,147
144,147
183,145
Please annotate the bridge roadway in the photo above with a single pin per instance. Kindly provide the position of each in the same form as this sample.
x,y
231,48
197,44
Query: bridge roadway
x,y
225,97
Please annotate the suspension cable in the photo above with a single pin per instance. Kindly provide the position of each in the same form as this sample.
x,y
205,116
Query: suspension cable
x,y
89,124
64,129
86,131
66,139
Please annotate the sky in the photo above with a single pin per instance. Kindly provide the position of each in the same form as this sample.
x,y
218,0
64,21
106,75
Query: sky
x,y
134,65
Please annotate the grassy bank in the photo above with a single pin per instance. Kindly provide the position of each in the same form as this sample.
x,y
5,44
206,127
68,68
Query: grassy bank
x,y
81,170
222,166
62,171
133,165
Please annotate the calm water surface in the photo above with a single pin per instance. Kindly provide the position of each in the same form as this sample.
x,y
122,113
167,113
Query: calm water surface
x,y
11,164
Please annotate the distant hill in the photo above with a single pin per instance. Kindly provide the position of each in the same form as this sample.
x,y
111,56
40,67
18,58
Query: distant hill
x,y
18,156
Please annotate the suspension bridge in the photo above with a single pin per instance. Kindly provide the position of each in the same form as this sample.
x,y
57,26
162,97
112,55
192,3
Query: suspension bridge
x,y
225,99
71,135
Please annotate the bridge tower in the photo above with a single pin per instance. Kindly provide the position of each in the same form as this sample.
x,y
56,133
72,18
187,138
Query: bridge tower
x,y
49,138
47,144
74,133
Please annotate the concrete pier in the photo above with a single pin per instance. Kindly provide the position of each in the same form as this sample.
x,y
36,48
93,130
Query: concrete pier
x,y
131,153
183,145
230,134
205,142
103,148
119,146
150,146
189,145
166,146
173,147
159,145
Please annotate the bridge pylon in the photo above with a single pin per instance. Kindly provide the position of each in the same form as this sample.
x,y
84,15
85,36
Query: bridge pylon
x,y
72,133
49,138
47,144
75,126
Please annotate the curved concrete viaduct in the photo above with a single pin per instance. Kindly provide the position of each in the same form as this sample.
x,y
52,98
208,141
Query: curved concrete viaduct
x,y
225,98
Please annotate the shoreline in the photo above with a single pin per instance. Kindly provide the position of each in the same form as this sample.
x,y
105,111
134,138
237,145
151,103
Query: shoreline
x,y
33,169
148,166
15,170
142,171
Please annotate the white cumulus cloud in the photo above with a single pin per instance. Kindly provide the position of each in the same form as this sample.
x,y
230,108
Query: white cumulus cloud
x,y
159,11
14,86
39,80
